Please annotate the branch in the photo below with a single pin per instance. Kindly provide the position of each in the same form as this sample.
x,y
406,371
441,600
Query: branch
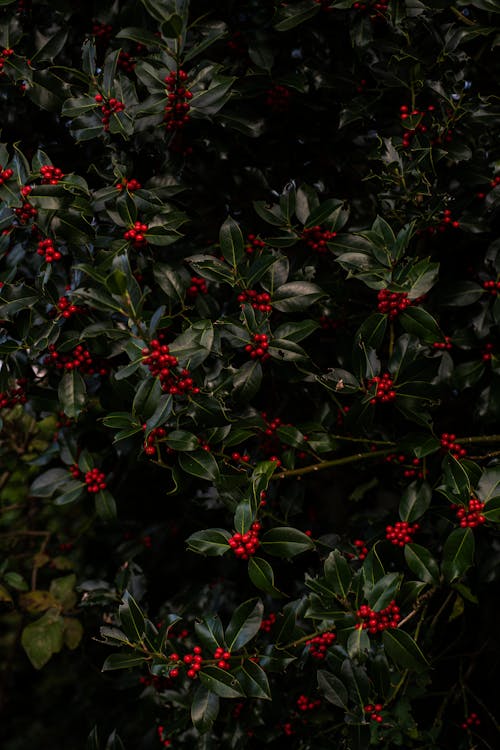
x,y
331,464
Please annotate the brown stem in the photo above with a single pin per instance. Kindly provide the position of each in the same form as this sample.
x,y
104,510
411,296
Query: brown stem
x,y
331,464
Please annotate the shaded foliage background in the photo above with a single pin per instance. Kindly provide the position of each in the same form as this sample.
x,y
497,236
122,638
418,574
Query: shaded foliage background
x,y
322,156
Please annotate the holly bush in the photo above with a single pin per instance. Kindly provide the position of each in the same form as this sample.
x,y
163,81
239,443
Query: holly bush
x,y
250,376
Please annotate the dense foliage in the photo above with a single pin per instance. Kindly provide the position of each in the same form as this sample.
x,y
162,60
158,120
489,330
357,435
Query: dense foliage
x,y
250,374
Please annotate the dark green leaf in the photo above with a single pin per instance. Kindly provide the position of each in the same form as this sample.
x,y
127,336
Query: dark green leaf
x,y
458,553
244,624
402,650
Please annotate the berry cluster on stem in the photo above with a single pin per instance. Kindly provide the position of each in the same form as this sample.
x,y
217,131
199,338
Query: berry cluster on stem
x,y
108,108
254,244
150,443
66,309
319,645
245,545
401,533
443,345
376,622
176,112
278,98
51,175
130,185
95,480
136,235
383,386
198,286
471,720
305,703
16,394
491,286
223,657
411,465
5,174
471,515
374,712
361,548
160,363
48,249
448,443
259,346
317,238
4,56
392,303
267,623
260,302
79,359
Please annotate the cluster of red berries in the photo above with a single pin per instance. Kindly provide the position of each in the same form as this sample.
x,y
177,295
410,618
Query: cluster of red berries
x,y
493,184
159,683
4,56
112,106
245,545
66,309
360,88
401,533
329,324
254,244
238,457
26,212
129,185
471,720
160,731
258,349
135,235
472,515
278,98
319,645
404,113
79,359
271,424
74,470
448,443
51,175
192,660
5,174
324,4
384,389
361,548
95,481
392,303
493,287
223,656
160,364
317,238
376,622
487,353
126,62
304,703
374,712
150,442
198,286
47,248
13,395
258,301
176,112
102,32
411,465
267,623
380,5
446,344
446,222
